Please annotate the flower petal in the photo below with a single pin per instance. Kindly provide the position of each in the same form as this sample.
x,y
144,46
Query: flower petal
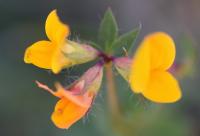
x,y
67,113
140,68
55,29
40,54
162,88
59,61
71,107
81,99
162,50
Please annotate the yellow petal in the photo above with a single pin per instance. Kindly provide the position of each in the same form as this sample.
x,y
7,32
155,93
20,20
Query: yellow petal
x,y
55,29
40,54
162,50
162,88
140,69
59,61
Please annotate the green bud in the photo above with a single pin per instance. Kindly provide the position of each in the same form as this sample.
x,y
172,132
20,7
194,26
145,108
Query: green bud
x,y
79,53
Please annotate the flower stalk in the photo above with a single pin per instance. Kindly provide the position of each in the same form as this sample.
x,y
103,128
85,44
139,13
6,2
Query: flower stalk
x,y
111,87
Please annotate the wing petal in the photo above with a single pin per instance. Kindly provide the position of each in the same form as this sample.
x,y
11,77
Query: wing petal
x,y
40,54
162,88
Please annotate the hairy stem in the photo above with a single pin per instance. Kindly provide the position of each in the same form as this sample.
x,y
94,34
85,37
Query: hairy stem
x,y
119,125
112,97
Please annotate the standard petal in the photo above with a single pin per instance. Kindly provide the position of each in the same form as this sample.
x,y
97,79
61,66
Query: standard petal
x,y
40,54
162,88
162,50
55,29
140,69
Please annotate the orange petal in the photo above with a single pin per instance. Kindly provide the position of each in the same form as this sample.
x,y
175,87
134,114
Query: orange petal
x,y
67,112
58,93
162,88
162,50
40,54
81,100
140,69
55,29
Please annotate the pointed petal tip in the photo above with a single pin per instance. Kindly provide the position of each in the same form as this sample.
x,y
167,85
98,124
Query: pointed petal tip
x,y
55,71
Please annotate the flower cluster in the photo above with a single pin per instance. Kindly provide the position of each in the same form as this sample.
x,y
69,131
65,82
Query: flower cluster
x,y
147,71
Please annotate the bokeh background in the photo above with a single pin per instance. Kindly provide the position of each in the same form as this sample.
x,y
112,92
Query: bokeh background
x,y
25,109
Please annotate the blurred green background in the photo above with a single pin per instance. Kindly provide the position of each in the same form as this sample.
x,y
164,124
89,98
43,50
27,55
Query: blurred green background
x,y
25,109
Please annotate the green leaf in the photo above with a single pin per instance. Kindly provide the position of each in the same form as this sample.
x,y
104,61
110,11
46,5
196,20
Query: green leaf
x,y
126,41
108,30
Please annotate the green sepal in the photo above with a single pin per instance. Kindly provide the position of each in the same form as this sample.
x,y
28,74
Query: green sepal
x,y
125,41
108,30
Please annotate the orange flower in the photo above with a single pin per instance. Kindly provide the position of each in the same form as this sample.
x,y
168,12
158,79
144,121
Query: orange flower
x,y
71,107
75,101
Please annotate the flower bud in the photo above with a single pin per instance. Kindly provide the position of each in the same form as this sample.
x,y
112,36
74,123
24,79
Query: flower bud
x,y
123,65
79,53
92,79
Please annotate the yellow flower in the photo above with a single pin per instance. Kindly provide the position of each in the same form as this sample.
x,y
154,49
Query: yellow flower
x,y
47,54
149,71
